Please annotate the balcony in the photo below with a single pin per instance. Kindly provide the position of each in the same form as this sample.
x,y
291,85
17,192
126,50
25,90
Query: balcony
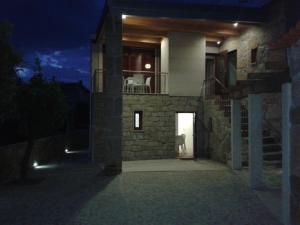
x,y
135,82
144,82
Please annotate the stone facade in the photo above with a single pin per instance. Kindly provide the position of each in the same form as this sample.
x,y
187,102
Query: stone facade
x,y
157,139
260,37
45,150
97,128
217,135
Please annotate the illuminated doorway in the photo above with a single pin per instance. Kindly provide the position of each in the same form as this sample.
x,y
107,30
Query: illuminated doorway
x,y
185,135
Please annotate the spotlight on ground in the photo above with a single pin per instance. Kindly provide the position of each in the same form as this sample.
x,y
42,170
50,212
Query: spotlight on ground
x,y
35,164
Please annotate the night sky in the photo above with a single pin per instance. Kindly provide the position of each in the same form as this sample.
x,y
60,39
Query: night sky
x,y
58,31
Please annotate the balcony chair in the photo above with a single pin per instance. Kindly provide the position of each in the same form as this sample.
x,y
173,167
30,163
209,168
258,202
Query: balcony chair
x,y
128,85
147,86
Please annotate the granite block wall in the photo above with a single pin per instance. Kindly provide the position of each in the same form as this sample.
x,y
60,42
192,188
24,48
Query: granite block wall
x,y
217,135
157,139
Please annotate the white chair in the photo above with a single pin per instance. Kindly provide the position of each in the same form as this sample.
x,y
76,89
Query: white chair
x,y
138,82
147,86
128,85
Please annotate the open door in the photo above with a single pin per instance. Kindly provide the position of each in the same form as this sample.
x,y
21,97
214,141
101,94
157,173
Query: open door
x,y
185,134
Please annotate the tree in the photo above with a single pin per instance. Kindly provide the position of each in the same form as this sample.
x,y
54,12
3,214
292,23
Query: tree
x,y
9,59
41,108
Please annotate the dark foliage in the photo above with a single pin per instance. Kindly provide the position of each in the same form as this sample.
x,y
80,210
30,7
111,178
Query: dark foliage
x,y
41,109
9,59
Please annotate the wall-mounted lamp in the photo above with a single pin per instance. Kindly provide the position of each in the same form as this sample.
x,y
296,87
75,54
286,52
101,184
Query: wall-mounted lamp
x,y
236,24
148,66
124,17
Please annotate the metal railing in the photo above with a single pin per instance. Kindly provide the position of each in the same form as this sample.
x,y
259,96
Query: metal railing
x,y
144,82
135,82
213,86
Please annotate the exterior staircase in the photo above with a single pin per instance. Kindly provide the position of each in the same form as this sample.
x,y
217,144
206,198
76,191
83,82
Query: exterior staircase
x,y
272,152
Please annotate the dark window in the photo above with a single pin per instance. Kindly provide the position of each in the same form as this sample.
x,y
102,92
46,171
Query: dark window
x,y
138,120
254,55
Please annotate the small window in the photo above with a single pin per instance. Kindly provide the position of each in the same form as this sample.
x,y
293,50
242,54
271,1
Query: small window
x,y
138,120
254,55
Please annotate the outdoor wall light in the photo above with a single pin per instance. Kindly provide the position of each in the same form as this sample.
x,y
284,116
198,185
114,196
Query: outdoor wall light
x,y
35,164
66,150
236,24
147,66
124,17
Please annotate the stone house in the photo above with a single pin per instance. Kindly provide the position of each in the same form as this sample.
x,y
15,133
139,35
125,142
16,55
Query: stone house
x,y
174,72
197,81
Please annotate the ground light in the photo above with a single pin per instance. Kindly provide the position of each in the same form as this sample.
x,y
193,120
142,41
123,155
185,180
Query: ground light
x,y
35,164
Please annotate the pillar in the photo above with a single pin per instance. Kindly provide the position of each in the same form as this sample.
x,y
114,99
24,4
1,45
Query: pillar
x,y
113,95
236,136
255,141
294,65
286,153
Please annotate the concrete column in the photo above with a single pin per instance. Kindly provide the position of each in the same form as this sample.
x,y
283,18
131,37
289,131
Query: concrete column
x,y
255,141
236,136
286,153
113,95
294,65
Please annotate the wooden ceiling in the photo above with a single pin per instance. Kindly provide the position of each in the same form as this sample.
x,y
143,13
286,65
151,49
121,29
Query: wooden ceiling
x,y
152,30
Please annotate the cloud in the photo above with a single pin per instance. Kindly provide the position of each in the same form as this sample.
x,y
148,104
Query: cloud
x,y
24,72
66,65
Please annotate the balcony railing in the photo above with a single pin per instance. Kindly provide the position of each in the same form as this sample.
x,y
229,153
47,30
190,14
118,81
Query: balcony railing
x,y
135,82
213,86
144,82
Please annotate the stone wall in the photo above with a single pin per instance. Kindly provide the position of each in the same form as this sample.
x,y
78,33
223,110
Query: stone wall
x,y
260,37
157,139
45,150
97,128
217,138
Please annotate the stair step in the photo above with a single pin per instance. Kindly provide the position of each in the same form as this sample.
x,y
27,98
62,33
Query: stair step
x,y
269,140
274,163
272,148
273,156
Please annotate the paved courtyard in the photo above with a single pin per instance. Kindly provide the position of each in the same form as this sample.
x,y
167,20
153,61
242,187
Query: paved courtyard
x,y
201,193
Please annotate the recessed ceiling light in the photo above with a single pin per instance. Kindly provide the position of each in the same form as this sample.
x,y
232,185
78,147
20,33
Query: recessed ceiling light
x,y
124,16
236,24
219,42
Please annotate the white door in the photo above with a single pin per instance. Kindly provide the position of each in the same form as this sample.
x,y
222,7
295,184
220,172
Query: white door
x,y
185,134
